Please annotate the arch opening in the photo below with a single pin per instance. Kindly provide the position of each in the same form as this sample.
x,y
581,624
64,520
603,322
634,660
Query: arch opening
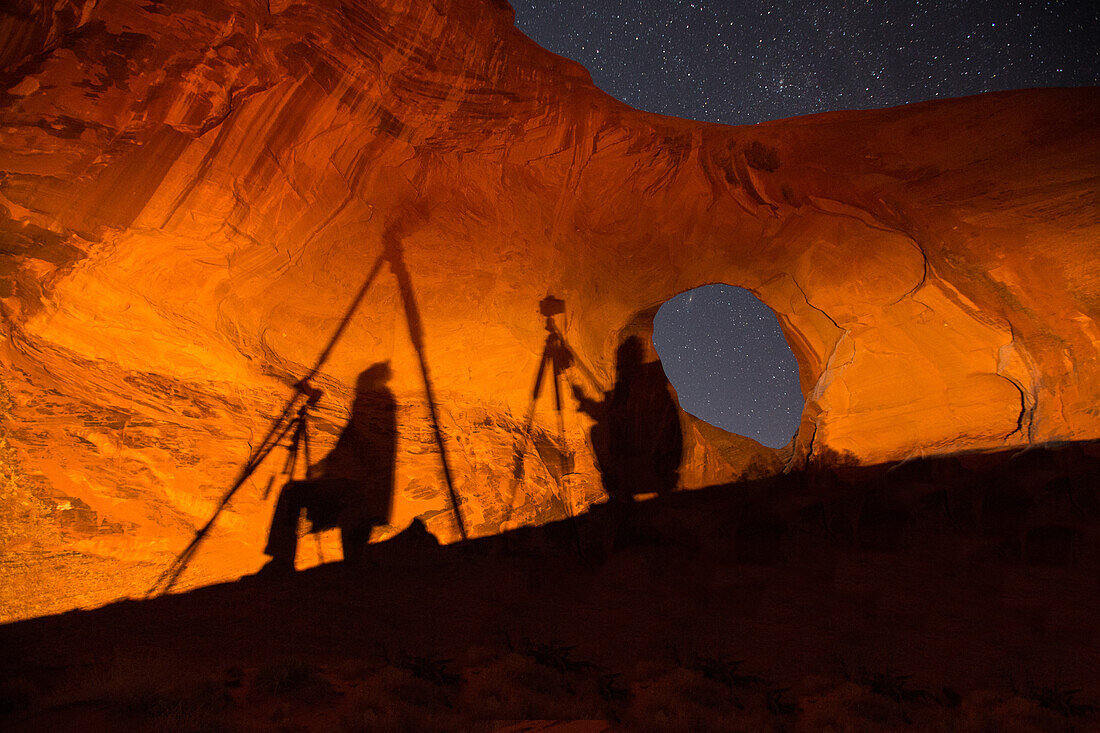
x,y
725,354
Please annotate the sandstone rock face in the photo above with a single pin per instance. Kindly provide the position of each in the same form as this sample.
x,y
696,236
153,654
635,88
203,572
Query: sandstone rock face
x,y
192,194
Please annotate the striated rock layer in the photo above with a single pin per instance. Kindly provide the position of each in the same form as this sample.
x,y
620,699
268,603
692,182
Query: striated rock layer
x,y
193,192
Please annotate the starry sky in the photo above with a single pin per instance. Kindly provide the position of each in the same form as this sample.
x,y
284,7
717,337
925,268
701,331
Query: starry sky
x,y
740,62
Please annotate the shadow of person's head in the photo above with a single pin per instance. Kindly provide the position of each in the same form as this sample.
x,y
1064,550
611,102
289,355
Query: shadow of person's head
x,y
374,377
629,356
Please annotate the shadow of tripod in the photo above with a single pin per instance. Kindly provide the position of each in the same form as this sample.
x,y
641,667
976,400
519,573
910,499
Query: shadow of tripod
x,y
292,419
298,428
556,357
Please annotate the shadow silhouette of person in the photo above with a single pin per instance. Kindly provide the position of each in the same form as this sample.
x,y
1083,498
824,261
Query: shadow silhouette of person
x,y
352,486
636,436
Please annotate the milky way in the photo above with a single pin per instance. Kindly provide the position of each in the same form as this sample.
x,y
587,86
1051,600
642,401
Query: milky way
x,y
739,62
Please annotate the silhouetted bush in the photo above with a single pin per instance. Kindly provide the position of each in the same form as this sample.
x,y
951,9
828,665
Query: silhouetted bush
x,y
293,678
202,707
826,458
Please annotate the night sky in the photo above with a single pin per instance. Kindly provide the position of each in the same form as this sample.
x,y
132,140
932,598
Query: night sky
x,y
739,62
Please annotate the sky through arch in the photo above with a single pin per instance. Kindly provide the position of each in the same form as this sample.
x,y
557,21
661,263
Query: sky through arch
x,y
725,354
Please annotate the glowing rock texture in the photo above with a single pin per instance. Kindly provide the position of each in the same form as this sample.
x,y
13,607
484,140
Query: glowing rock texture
x,y
193,192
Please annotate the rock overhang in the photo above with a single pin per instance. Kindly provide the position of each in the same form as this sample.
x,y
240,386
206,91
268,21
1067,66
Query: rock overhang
x,y
201,202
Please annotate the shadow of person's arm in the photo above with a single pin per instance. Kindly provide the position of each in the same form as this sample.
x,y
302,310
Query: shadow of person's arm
x,y
586,404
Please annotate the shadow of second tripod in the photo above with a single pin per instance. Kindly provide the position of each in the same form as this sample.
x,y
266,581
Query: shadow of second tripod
x,y
557,357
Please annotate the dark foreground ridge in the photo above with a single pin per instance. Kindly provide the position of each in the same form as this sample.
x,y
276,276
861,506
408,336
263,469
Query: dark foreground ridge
x,y
961,591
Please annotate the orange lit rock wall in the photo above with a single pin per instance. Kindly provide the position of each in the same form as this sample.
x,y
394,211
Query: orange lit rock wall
x,y
191,193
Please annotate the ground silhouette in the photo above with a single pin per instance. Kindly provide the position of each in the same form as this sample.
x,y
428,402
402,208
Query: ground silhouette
x,y
939,592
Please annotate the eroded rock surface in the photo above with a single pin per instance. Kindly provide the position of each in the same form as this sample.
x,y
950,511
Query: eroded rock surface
x,y
192,193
